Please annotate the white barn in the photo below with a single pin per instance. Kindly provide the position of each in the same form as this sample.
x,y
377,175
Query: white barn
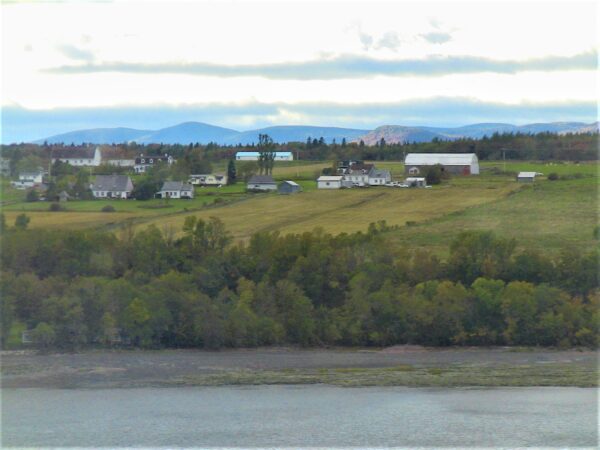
x,y
454,163
82,157
253,156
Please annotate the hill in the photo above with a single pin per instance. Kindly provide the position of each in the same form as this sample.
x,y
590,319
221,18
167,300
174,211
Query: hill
x,y
397,133
204,133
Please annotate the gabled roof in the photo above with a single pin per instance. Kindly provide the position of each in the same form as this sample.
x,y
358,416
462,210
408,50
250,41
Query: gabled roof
x,y
363,168
176,186
261,179
292,183
258,153
527,174
379,173
74,153
445,159
120,183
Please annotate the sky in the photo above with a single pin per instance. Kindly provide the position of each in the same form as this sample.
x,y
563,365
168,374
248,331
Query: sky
x,y
247,64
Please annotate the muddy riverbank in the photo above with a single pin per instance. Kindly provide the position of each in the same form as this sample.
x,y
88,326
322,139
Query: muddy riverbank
x,y
393,366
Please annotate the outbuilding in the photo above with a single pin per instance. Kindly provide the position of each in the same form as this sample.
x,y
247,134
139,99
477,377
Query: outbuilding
x,y
415,182
289,187
526,177
329,182
261,183
454,163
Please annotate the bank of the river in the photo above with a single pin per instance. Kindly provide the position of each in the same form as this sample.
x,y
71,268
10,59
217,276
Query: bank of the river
x,y
395,366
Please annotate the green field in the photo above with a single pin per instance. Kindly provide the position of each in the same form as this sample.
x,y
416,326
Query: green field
x,y
546,215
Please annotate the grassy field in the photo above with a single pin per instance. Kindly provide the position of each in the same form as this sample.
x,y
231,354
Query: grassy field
x,y
546,215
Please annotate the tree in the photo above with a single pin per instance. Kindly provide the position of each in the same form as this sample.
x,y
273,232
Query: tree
x,y
231,172
43,335
22,221
32,196
434,174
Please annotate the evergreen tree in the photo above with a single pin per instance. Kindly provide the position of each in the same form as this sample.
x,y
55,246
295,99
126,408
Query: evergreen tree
x,y
231,172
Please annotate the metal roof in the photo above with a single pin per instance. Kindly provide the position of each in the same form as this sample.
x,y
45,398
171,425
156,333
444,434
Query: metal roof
x,y
111,183
527,174
293,183
445,159
176,186
261,179
257,153
379,173
330,178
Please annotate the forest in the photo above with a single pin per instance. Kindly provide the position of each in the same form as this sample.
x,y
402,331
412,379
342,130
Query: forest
x,y
156,288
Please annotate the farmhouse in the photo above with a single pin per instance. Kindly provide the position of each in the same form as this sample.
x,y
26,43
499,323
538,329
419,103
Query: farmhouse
x,y
379,177
289,187
261,183
143,163
112,186
358,173
28,180
454,163
254,156
86,157
176,189
208,180
330,182
526,177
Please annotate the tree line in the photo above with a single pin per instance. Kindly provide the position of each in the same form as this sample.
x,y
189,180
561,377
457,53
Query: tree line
x,y
195,287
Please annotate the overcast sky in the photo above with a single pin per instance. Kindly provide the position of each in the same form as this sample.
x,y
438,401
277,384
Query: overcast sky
x,y
245,64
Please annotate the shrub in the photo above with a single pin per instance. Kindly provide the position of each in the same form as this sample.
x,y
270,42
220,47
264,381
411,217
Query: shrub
x,y
32,196
21,222
553,176
54,207
108,208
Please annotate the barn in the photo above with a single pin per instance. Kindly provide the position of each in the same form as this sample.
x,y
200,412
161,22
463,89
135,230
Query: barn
x,y
453,163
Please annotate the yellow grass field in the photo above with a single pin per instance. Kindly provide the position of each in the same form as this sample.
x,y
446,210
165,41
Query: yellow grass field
x,y
69,219
340,211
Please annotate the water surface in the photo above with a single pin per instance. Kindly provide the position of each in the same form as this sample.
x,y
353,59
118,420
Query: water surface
x,y
323,416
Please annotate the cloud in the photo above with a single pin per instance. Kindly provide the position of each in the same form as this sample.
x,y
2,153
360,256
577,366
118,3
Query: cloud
x,y
345,67
365,39
389,40
20,124
437,37
76,53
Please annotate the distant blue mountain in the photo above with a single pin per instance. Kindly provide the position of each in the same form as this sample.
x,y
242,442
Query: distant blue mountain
x,y
97,136
204,133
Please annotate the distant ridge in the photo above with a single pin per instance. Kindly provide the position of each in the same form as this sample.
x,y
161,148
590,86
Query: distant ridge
x,y
203,133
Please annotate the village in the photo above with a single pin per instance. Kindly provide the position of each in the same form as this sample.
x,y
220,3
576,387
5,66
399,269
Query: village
x,y
421,170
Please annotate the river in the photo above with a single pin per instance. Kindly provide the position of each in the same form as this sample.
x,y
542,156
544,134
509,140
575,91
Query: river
x,y
307,416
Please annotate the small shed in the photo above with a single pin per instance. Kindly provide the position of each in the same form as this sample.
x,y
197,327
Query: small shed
x,y
289,187
526,177
261,183
415,182
329,182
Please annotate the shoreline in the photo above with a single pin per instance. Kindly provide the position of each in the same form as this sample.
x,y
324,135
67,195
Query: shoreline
x,y
409,366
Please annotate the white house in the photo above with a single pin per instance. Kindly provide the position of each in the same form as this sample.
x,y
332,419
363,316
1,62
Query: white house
x,y
176,189
208,180
379,177
261,183
357,174
28,180
143,163
253,156
121,162
454,163
330,182
112,186
86,157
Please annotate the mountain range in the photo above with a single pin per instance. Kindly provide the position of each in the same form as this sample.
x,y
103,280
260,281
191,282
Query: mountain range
x,y
204,133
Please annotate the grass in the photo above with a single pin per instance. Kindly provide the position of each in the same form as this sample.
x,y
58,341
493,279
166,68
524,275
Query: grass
x,y
557,374
544,216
